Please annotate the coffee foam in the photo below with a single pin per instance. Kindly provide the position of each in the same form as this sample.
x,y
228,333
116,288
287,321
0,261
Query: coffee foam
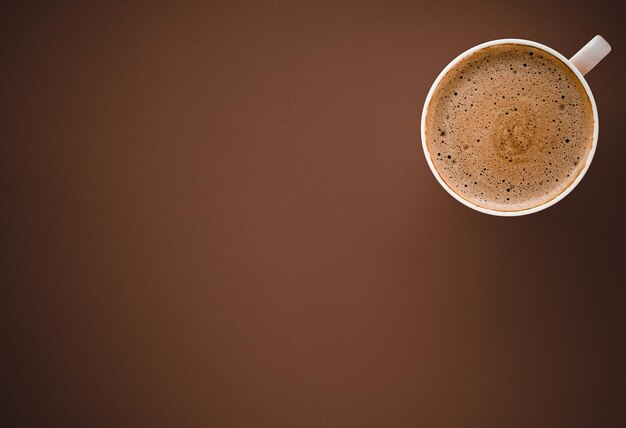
x,y
509,127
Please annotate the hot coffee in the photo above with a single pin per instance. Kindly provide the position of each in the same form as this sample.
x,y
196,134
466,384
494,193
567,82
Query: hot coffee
x,y
509,127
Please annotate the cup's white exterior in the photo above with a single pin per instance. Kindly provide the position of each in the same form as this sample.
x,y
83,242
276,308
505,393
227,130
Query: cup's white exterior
x,y
587,161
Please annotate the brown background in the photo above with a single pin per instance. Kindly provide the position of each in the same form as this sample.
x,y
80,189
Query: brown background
x,y
219,215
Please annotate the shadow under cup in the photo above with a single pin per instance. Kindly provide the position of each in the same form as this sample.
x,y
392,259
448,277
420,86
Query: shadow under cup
x,y
440,159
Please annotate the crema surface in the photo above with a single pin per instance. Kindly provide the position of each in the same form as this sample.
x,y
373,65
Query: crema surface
x,y
509,127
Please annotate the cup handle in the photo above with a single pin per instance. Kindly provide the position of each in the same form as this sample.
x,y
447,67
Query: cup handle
x,y
591,54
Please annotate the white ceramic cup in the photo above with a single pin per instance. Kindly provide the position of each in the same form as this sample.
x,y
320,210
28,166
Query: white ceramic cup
x,y
580,64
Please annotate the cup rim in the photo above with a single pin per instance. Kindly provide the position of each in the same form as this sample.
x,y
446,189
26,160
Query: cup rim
x,y
546,204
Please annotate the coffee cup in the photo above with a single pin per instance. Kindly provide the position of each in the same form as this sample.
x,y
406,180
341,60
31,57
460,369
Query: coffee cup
x,y
580,64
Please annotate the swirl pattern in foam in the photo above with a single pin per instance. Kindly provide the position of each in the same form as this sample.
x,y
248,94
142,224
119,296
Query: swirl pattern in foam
x,y
509,127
